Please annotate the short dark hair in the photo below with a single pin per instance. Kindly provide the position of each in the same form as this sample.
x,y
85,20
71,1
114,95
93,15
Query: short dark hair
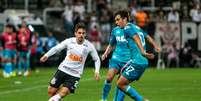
x,y
79,25
9,26
123,14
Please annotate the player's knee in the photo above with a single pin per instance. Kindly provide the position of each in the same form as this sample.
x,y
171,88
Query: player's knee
x,y
109,79
51,92
64,91
120,85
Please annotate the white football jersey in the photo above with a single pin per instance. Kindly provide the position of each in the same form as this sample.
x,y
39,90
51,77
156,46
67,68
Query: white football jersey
x,y
74,61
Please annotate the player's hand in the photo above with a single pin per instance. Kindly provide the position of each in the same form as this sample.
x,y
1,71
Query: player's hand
x,y
103,57
157,49
149,55
97,76
43,58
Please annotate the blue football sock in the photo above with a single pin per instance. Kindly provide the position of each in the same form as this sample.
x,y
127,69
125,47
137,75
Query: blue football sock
x,y
119,95
8,67
133,93
106,90
20,66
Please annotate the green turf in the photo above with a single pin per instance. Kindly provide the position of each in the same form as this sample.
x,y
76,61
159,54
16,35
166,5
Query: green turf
x,y
157,85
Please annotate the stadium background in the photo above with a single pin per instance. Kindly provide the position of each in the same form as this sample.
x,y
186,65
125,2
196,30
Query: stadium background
x,y
179,38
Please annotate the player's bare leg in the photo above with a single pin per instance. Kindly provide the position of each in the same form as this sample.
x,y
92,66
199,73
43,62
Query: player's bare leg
x,y
63,91
52,91
123,85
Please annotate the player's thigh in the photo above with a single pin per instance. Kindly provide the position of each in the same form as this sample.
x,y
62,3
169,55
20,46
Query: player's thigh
x,y
113,64
133,72
57,79
71,82
122,82
52,90
63,91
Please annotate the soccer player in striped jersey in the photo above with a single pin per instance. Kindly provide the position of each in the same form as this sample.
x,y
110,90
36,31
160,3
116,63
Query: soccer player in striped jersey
x,y
71,68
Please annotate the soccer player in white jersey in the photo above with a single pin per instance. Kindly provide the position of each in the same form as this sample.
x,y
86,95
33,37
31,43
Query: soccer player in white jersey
x,y
70,70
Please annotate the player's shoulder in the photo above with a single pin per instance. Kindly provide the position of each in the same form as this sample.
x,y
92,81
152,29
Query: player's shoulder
x,y
88,44
116,29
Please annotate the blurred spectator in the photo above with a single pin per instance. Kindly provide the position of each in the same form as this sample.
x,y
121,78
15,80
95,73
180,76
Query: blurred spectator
x,y
33,53
24,36
185,55
68,20
133,6
141,18
50,42
94,37
100,4
160,15
80,9
173,16
105,24
173,58
93,20
195,13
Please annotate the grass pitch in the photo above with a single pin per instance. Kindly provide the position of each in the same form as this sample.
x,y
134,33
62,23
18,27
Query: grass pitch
x,y
156,85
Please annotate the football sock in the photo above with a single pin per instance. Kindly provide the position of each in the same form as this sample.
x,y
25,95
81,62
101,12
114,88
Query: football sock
x,y
119,95
8,68
56,97
106,89
133,93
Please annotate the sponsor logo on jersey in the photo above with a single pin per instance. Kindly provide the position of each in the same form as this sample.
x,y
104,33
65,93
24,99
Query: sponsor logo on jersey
x,y
75,57
71,70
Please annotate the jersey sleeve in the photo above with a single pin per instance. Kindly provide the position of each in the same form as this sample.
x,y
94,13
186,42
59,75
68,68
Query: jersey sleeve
x,y
130,31
112,40
58,48
145,33
95,57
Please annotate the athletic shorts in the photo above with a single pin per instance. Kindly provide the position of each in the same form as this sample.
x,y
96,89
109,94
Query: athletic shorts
x,y
132,71
66,80
116,64
9,54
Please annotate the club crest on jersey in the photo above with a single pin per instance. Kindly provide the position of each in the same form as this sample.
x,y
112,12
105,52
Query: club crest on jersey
x,y
53,81
84,51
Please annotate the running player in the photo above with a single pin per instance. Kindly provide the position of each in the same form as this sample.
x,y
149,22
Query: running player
x,y
138,63
122,54
70,70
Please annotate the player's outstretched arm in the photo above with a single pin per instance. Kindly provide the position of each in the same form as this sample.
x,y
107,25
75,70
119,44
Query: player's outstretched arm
x,y
143,52
107,51
43,58
97,61
153,43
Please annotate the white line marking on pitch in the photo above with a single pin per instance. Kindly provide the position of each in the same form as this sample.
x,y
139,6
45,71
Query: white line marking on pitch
x,y
36,87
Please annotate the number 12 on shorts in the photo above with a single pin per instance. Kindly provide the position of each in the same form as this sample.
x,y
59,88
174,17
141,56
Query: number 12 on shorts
x,y
129,69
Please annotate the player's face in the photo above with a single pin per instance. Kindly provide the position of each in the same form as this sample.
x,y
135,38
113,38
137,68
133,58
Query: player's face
x,y
80,35
8,30
119,21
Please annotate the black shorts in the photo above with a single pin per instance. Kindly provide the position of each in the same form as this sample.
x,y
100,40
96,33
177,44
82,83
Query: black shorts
x,y
66,80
